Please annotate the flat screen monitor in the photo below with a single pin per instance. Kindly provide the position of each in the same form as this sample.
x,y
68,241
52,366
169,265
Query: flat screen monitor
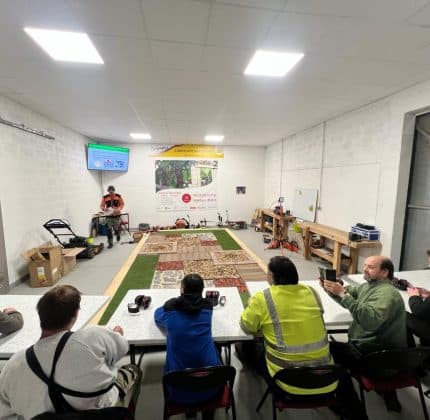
x,y
102,157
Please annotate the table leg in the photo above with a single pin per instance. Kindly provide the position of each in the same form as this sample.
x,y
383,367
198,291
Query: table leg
x,y
337,256
353,265
227,350
132,354
307,244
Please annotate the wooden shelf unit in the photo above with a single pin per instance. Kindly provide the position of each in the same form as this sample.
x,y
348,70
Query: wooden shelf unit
x,y
277,221
339,238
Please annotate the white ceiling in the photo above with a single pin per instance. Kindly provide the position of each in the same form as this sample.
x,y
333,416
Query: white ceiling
x,y
174,68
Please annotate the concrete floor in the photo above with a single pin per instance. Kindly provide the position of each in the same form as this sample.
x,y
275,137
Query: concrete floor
x,y
93,276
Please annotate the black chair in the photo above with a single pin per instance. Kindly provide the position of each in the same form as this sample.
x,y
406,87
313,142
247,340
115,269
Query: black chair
x,y
200,379
389,370
302,377
109,413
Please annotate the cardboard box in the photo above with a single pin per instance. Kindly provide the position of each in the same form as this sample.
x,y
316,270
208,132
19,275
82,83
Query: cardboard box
x,y
44,264
69,259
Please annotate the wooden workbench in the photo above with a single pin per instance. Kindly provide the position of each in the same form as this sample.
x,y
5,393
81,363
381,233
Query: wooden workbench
x,y
339,238
279,226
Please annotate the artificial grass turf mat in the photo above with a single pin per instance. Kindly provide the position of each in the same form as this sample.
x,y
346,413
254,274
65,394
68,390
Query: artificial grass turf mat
x,y
141,272
224,239
138,277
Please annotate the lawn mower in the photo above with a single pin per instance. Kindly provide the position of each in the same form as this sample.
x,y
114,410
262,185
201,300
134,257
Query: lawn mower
x,y
59,228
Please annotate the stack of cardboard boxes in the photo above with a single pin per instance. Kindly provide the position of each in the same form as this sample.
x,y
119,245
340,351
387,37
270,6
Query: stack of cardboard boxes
x,y
48,263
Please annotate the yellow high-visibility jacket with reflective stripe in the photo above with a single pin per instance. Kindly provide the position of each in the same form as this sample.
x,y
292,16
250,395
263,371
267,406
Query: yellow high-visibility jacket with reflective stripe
x,y
290,320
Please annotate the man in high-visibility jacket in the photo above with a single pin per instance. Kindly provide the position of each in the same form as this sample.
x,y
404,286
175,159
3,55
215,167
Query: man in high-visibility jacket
x,y
289,316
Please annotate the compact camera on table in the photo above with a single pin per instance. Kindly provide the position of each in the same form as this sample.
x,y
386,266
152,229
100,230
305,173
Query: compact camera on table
x,y
140,301
214,297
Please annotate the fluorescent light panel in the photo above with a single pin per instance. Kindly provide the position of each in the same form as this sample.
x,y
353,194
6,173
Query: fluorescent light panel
x,y
66,46
140,136
214,138
272,63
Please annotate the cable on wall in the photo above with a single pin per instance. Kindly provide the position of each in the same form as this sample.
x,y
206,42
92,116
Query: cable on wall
x,y
322,165
26,129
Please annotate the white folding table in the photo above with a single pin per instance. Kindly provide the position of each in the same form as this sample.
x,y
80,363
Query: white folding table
x,y
30,332
336,318
418,278
142,333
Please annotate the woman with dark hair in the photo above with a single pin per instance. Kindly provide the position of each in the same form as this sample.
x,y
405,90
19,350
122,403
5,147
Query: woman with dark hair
x,y
187,320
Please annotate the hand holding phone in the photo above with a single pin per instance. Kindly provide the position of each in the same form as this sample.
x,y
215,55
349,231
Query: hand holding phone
x,y
327,274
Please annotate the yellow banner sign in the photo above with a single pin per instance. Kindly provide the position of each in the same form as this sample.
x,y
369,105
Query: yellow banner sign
x,y
187,151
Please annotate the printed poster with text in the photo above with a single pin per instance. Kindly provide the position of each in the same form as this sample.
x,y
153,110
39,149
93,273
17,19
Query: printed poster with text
x,y
186,184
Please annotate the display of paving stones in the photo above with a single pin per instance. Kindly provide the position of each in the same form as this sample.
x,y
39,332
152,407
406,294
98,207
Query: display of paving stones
x,y
169,279
231,257
225,271
156,238
208,270
209,243
159,248
203,267
173,237
209,283
251,272
169,265
231,282
188,243
207,236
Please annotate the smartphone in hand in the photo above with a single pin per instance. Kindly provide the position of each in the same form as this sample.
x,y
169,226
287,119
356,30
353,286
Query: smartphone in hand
x,y
327,274
330,274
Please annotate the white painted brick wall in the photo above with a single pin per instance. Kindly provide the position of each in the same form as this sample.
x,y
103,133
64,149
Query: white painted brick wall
x,y
365,153
40,179
241,166
273,174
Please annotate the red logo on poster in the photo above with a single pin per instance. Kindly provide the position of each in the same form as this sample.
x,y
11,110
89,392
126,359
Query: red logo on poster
x,y
186,198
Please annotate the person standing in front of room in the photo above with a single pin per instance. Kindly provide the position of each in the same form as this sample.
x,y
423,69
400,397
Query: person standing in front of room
x,y
112,203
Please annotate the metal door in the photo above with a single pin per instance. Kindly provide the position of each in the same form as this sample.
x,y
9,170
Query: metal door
x,y
416,236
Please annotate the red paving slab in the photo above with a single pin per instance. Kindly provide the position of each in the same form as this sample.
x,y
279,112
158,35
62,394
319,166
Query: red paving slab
x,y
231,282
169,265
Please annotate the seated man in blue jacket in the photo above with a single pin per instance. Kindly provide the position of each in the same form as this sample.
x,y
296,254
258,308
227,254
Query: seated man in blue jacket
x,y
187,320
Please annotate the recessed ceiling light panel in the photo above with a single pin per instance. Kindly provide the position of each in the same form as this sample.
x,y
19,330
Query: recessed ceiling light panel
x,y
272,63
140,136
66,46
214,138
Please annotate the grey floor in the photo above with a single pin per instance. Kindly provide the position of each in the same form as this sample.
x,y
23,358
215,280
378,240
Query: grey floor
x,y
93,276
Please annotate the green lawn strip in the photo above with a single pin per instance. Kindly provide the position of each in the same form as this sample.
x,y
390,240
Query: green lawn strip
x,y
225,240
138,277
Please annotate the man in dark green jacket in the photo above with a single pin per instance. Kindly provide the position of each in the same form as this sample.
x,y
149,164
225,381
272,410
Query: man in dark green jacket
x,y
378,314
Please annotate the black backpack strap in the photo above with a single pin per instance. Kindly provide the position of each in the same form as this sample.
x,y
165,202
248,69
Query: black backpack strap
x,y
55,390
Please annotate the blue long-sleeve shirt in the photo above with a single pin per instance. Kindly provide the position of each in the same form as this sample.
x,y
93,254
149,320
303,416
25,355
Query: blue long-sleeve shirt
x,y
188,323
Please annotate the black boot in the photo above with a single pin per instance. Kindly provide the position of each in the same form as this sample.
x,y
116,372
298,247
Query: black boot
x,y
110,239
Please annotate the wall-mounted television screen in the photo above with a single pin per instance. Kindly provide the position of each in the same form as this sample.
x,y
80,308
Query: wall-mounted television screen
x,y
102,157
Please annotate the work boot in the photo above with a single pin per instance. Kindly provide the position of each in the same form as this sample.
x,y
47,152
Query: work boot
x,y
110,242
